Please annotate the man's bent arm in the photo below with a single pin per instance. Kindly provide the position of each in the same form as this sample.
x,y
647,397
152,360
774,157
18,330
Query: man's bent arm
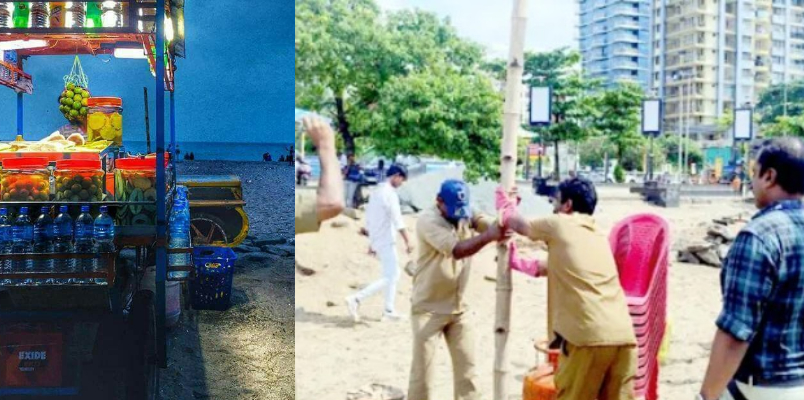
x,y
330,187
470,247
727,354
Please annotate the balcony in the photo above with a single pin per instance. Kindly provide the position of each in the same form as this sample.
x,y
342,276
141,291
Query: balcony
x,y
624,37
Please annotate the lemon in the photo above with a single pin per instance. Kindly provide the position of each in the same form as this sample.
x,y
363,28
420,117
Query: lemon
x,y
70,94
97,121
107,133
117,121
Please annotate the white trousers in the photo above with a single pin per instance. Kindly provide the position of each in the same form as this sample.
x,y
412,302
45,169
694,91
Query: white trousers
x,y
389,260
349,192
767,393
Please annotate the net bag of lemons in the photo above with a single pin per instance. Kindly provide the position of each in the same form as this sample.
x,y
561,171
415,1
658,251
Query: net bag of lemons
x,y
74,99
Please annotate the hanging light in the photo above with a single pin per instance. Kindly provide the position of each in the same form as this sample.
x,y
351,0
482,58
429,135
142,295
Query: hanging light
x,y
22,44
168,29
128,52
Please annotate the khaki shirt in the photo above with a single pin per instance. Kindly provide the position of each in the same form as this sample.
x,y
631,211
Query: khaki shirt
x,y
306,214
585,303
440,281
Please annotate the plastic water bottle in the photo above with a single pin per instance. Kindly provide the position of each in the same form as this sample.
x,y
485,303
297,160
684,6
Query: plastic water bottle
x,y
79,14
5,244
44,233
22,243
179,235
39,14
5,15
84,231
104,239
94,12
63,244
21,13
58,14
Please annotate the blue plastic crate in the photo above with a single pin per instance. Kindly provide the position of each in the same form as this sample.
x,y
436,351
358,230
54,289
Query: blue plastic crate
x,y
211,289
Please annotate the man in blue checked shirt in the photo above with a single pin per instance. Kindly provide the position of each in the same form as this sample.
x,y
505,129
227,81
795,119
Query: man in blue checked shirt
x,y
758,351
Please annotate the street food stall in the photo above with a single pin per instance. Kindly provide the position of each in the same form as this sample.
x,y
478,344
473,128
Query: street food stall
x,y
95,240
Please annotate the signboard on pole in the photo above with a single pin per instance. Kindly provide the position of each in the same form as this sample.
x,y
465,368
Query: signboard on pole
x,y
652,117
541,105
743,124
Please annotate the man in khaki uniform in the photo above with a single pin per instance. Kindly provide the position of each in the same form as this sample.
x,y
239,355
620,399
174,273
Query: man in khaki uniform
x,y
439,283
312,209
587,310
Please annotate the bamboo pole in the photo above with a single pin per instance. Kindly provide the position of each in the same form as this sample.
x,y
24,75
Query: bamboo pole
x,y
512,120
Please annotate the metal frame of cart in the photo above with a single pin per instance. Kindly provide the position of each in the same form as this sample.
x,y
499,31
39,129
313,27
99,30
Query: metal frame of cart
x,y
95,41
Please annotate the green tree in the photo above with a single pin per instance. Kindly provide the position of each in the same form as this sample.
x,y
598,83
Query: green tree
x,y
785,126
771,102
573,108
347,50
618,118
444,113
669,145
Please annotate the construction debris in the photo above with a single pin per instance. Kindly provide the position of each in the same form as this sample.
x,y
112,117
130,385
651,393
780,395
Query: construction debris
x,y
714,248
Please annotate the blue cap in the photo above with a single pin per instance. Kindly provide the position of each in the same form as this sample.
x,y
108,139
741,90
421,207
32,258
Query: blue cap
x,y
104,209
455,195
84,208
23,210
397,169
44,209
62,209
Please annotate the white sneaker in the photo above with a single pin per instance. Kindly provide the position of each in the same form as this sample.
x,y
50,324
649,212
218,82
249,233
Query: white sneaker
x,y
393,317
353,306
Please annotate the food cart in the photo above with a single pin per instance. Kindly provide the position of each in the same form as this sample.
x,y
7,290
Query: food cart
x,y
99,333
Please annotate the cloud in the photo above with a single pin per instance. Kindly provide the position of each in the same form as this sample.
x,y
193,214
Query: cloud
x,y
551,23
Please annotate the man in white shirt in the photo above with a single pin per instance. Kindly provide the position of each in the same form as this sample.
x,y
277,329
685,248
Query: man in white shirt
x,y
383,221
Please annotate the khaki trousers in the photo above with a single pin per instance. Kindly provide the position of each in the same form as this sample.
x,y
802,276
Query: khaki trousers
x,y
427,331
596,372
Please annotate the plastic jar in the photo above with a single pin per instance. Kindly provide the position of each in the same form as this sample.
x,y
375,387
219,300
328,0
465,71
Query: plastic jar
x,y
105,119
79,180
25,179
135,180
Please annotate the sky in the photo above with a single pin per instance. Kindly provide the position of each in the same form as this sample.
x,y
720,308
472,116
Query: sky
x,y
234,85
551,23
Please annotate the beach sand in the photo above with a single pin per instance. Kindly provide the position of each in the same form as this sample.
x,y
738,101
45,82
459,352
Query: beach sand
x,y
335,356
247,351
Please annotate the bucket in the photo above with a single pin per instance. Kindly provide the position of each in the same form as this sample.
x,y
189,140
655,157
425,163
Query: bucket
x,y
172,296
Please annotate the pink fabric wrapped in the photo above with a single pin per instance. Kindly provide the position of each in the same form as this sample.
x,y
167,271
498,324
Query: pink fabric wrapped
x,y
529,267
505,205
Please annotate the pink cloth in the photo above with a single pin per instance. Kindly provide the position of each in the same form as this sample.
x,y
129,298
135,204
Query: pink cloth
x,y
529,267
505,205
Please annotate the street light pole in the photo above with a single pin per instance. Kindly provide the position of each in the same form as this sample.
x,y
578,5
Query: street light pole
x,y
680,127
686,164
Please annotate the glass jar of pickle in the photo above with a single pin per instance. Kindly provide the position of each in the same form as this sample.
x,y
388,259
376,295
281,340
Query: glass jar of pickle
x,y
25,179
135,181
105,119
79,180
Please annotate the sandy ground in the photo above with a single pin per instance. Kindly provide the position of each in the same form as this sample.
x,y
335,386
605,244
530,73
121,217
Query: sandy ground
x,y
247,351
335,356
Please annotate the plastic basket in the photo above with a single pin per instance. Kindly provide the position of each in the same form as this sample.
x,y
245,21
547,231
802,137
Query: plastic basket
x,y
211,289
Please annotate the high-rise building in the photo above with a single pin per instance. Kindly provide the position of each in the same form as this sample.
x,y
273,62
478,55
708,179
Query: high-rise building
x,y
711,56
615,40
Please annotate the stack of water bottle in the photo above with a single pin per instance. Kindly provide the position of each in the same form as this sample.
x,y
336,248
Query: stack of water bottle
x,y
180,233
85,235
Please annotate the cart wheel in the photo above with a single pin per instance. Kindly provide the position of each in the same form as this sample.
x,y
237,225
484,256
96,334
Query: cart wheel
x,y
207,229
143,376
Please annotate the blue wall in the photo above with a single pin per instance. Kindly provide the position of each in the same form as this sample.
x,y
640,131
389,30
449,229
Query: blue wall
x,y
236,84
